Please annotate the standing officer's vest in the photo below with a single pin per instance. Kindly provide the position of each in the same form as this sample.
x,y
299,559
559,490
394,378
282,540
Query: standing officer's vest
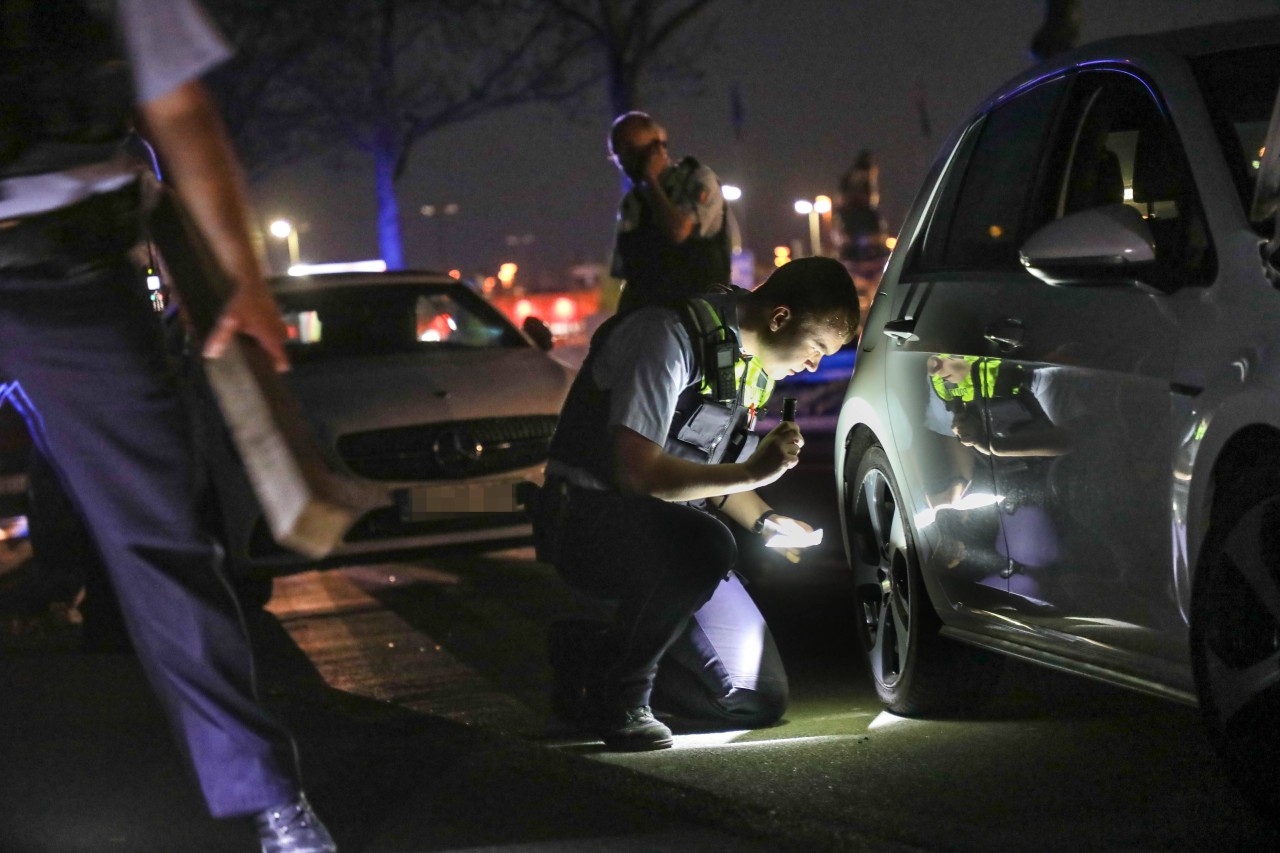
x,y
66,90
658,271
713,418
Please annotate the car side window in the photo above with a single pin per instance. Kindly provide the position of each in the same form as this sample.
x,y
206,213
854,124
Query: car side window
x,y
980,216
1116,146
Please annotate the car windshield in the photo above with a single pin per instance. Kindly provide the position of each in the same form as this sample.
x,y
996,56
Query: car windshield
x,y
1240,88
361,320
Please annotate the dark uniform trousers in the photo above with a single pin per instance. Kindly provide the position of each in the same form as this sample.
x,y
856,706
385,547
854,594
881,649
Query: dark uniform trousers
x,y
86,351
670,567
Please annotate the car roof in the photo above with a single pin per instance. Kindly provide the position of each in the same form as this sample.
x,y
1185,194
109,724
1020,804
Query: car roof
x,y
303,283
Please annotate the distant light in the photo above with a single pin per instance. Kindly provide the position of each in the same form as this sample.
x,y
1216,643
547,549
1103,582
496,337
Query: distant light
x,y
1128,193
564,309
730,192
153,282
822,204
523,309
507,273
1257,164
455,274
781,256
996,232
349,266
281,228
890,243
804,207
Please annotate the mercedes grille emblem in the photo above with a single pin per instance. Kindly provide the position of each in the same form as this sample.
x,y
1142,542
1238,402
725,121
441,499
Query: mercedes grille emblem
x,y
456,451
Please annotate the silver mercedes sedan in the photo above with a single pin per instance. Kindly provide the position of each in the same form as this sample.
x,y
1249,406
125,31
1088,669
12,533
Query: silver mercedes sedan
x,y
419,390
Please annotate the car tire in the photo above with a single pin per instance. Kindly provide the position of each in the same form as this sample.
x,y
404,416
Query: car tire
x,y
1235,636
916,671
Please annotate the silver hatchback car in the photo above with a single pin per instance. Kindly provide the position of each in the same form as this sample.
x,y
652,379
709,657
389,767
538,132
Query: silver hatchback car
x,y
1062,439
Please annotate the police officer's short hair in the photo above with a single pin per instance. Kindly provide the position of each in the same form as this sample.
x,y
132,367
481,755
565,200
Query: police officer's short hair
x,y
811,288
624,124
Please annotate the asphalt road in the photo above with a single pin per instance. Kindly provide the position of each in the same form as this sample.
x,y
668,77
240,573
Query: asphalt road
x,y
419,694
1055,763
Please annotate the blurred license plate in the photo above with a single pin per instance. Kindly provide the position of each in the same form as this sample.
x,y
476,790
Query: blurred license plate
x,y
420,501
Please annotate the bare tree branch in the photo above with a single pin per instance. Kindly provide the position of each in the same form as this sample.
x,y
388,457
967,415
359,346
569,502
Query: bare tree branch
x,y
636,40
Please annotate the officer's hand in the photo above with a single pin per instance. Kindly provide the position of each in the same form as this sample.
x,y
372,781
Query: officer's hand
x,y
253,312
787,526
655,161
776,454
967,426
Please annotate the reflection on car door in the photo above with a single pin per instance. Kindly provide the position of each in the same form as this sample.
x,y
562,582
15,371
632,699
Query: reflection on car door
x,y
1086,474
940,364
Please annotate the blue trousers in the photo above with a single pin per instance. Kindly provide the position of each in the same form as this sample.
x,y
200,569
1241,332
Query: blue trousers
x,y
690,640
86,354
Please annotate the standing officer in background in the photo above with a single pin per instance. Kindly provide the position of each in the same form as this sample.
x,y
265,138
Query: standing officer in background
x,y
673,224
654,447
78,332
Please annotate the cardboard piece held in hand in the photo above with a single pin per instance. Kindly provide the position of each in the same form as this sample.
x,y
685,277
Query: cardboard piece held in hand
x,y
308,506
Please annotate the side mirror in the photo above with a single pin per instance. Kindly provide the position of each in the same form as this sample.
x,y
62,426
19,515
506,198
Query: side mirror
x,y
1102,245
539,332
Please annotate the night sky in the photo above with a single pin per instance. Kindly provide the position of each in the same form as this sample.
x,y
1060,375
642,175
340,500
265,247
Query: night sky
x,y
819,80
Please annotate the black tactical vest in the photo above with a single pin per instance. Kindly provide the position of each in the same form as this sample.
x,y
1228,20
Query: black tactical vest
x,y
66,90
658,271
703,429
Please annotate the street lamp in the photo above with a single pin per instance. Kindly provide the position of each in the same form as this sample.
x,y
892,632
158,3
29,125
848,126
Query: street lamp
x,y
283,229
814,210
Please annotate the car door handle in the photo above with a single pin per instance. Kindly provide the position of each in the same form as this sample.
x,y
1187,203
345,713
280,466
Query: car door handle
x,y
901,331
1007,334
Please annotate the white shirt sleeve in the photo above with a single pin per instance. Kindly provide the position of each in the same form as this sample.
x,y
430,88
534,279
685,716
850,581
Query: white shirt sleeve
x,y
700,195
170,42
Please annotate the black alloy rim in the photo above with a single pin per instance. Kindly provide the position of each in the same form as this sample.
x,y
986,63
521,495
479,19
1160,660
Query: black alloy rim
x,y
883,578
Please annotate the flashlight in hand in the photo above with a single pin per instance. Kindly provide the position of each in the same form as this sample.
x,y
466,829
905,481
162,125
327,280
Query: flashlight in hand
x,y
789,409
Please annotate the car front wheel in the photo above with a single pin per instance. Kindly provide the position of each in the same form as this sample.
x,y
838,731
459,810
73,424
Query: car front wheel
x,y
916,671
1235,638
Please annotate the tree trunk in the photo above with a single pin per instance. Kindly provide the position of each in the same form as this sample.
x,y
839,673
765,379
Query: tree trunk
x,y
622,87
389,240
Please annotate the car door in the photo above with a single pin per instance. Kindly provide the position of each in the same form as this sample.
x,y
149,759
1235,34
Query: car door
x,y
1085,471
942,363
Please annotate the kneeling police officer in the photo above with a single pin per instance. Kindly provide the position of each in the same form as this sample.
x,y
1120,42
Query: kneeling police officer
x,y
654,449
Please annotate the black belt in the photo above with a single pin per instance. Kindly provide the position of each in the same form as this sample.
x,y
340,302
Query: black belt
x,y
95,230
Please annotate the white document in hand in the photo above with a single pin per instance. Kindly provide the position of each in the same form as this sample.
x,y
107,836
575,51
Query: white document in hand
x,y
794,538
